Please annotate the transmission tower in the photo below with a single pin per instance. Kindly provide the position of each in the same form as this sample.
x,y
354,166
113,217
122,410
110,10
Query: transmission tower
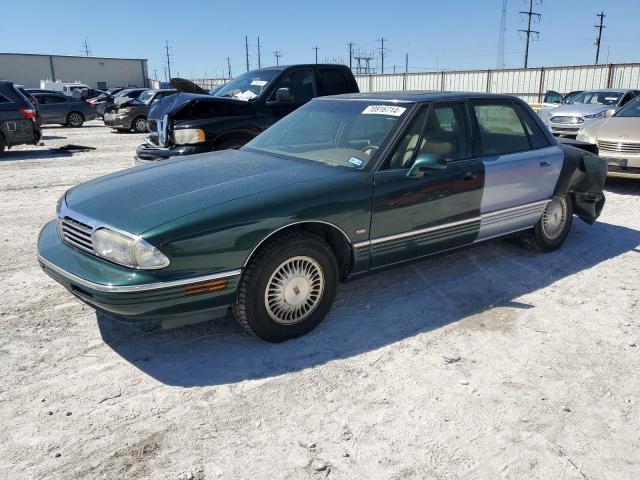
x,y
599,37
502,34
530,14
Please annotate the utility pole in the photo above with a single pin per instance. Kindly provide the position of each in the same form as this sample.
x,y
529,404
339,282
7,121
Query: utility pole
x,y
502,34
229,66
530,13
155,73
599,38
351,44
406,63
259,61
316,49
166,47
87,52
382,49
277,54
246,50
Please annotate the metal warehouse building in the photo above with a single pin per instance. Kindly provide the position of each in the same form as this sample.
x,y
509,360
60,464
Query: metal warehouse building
x,y
28,69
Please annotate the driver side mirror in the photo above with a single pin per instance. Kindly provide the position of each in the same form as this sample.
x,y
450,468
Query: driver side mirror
x,y
283,97
426,162
609,112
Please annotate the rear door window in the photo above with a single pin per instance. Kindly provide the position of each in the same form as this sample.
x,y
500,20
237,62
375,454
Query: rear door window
x,y
536,135
333,81
500,128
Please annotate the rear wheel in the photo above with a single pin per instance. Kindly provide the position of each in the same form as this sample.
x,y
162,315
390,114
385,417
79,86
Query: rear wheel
x,y
288,287
75,119
2,144
140,125
553,227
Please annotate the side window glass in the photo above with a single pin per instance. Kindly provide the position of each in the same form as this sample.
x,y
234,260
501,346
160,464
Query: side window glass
x,y
500,128
3,99
446,133
301,84
333,81
536,135
407,147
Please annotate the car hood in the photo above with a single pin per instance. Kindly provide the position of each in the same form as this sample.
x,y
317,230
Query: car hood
x,y
173,104
619,129
187,86
141,198
578,110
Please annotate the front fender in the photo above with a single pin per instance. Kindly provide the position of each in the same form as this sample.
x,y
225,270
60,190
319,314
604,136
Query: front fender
x,y
583,175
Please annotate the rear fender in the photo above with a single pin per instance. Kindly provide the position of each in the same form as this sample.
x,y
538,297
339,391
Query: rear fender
x,y
582,176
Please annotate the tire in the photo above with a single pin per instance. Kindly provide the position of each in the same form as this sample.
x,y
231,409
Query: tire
x,y
140,125
75,119
303,262
2,145
553,227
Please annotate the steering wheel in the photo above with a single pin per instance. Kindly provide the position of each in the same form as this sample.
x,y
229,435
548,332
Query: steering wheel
x,y
369,149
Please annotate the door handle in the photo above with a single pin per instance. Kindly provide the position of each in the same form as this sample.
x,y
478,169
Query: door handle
x,y
545,164
469,176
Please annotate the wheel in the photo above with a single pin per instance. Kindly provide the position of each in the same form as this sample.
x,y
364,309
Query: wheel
x,y
553,226
75,119
2,144
288,287
231,144
140,125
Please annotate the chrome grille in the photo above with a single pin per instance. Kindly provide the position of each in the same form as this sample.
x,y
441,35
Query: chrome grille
x,y
620,147
567,120
76,233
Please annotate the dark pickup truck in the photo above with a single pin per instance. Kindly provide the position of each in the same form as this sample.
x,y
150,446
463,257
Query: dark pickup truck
x,y
189,123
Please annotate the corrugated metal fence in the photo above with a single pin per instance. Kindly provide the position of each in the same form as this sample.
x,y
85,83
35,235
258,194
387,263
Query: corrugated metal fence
x,y
530,84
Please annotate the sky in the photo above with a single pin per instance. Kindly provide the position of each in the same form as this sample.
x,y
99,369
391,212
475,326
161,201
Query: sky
x,y
444,34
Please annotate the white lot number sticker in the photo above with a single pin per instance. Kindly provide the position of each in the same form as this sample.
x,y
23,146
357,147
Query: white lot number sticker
x,y
384,110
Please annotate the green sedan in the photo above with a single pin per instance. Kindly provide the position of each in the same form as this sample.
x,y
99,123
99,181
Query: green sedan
x,y
342,186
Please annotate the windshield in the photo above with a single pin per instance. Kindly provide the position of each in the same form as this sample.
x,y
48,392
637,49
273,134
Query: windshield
x,y
597,98
248,85
631,109
146,96
334,132
124,93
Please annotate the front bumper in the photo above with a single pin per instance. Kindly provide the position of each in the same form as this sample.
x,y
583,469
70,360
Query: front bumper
x,y
116,120
132,295
148,152
570,129
620,164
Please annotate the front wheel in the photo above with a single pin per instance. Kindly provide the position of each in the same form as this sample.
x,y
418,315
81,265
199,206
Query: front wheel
x,y
288,287
75,119
140,125
553,227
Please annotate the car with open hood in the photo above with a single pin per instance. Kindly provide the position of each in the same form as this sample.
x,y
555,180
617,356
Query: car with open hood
x,y
131,113
195,121
617,138
342,186
585,108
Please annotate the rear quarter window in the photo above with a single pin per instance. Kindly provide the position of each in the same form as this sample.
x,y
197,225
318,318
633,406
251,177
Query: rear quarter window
x,y
334,81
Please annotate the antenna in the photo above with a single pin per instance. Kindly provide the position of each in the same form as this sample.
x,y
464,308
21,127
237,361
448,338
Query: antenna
x,y
278,55
166,47
502,34
528,31
599,37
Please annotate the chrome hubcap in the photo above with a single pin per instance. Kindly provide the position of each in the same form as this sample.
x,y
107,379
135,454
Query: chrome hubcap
x,y
141,125
294,290
554,218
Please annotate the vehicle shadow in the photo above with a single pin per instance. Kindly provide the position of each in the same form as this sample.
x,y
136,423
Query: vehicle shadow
x,y
21,155
623,186
372,311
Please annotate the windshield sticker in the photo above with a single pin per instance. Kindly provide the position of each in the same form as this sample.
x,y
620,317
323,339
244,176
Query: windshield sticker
x,y
384,110
258,83
611,99
356,162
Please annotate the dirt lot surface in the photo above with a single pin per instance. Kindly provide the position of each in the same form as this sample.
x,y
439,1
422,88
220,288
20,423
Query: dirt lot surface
x,y
493,362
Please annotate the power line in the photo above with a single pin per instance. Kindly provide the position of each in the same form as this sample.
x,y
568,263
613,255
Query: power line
x,y
166,47
316,49
599,37
501,38
530,13
382,50
246,50
259,57
278,55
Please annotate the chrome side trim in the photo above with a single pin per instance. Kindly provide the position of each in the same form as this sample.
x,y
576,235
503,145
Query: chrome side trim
x,y
291,225
415,232
145,287
508,220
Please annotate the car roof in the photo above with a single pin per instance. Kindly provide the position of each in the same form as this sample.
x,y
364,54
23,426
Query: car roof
x,y
417,96
300,65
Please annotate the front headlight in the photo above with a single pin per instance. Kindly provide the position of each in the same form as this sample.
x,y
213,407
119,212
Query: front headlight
x,y
582,136
596,115
188,136
127,250
124,110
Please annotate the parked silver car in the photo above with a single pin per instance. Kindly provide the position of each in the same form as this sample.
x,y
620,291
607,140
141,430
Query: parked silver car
x,y
585,108
62,109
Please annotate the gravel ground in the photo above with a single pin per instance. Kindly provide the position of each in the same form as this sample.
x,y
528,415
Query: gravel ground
x,y
493,362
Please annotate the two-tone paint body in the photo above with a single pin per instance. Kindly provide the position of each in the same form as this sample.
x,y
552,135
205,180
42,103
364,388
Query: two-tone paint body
x,y
211,212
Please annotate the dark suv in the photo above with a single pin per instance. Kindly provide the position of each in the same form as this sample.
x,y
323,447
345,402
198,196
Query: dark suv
x,y
189,123
17,118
